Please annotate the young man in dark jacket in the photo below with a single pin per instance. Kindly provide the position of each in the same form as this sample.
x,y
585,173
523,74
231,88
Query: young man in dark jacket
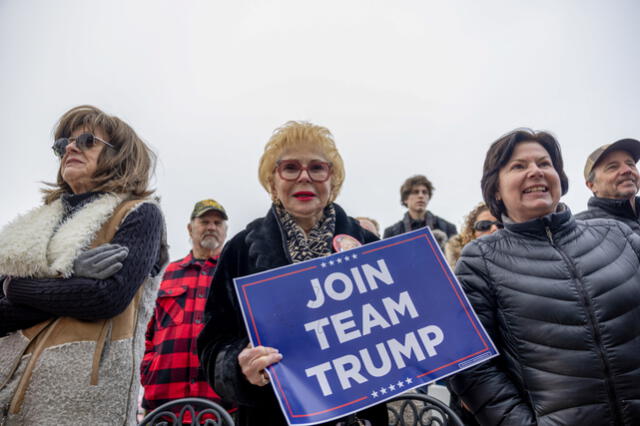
x,y
415,194
611,174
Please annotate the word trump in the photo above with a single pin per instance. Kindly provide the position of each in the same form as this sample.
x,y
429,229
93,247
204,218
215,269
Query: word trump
x,y
347,368
344,326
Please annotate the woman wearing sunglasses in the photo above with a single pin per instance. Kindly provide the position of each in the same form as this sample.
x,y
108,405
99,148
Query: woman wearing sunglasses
x,y
303,172
81,274
478,222
559,297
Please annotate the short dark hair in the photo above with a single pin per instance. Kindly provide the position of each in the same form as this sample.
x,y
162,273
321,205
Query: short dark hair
x,y
499,155
408,185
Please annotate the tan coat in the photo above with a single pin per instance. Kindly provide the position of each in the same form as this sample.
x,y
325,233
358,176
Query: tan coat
x,y
69,371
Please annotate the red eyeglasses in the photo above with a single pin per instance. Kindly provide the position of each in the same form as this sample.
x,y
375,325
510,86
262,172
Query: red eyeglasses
x,y
318,171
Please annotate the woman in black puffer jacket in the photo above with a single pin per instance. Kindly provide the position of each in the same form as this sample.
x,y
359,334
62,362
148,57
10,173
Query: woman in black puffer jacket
x,y
559,297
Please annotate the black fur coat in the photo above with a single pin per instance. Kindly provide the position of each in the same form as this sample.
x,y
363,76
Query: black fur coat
x,y
259,247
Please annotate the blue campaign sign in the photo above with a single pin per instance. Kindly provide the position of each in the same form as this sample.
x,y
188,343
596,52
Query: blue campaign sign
x,y
359,327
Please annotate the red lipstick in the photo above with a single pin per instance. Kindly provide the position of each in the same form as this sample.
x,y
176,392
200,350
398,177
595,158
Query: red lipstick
x,y
304,195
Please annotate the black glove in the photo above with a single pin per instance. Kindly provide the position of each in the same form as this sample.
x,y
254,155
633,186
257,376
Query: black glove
x,y
101,262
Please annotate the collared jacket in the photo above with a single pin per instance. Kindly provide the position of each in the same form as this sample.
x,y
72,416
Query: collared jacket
x,y
170,369
260,247
82,339
432,221
561,300
610,208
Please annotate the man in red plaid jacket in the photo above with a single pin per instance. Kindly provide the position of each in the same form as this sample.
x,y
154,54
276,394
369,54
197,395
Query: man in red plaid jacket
x,y
170,368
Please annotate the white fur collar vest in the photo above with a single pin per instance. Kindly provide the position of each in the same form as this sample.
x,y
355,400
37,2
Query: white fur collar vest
x,y
36,245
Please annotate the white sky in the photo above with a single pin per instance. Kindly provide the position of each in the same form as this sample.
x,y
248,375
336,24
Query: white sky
x,y
406,87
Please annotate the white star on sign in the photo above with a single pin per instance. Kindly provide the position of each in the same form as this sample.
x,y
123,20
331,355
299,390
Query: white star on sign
x,y
392,388
331,262
354,256
339,260
324,264
400,384
374,394
408,381
383,390
347,258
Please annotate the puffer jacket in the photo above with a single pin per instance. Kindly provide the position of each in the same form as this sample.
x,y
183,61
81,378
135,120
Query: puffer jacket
x,y
561,300
609,208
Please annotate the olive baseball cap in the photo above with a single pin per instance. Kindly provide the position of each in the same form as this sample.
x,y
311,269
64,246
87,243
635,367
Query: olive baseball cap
x,y
204,206
631,146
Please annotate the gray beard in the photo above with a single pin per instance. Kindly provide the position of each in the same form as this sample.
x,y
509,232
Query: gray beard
x,y
210,243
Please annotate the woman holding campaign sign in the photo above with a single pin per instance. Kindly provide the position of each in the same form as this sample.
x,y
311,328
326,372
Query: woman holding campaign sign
x,y
303,172
559,297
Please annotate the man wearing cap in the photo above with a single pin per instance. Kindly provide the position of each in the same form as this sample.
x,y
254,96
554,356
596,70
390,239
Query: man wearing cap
x,y
170,368
611,174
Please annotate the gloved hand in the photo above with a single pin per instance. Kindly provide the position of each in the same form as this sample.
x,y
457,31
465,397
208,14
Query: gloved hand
x,y
101,262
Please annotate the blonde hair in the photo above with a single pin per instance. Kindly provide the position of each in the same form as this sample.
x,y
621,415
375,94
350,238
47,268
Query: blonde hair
x,y
125,169
298,134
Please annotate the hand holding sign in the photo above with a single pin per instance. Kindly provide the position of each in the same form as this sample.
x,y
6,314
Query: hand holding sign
x,y
254,361
359,327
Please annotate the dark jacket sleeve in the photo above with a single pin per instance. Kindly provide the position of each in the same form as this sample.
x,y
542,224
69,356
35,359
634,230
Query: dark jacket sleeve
x,y
15,317
224,335
486,389
90,299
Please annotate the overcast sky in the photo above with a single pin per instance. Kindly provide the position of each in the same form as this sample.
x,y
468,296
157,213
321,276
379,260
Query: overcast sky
x,y
406,87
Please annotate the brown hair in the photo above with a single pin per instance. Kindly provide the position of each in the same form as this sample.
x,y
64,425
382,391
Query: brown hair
x,y
125,169
499,154
295,134
408,185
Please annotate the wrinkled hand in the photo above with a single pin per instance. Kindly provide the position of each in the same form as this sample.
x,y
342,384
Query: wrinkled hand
x,y
253,361
101,262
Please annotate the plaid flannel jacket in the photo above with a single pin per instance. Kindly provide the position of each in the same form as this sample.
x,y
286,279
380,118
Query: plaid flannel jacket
x,y
170,368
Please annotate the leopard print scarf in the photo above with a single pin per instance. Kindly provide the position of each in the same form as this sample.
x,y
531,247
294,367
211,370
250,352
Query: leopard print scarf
x,y
317,243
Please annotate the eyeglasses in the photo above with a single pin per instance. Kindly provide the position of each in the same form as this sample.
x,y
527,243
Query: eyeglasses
x,y
485,225
84,142
318,171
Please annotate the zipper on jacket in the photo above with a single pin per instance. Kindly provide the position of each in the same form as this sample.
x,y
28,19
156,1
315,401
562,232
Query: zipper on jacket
x,y
586,301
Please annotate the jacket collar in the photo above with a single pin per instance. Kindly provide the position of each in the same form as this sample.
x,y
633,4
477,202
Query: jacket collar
x,y
266,244
189,260
616,207
407,221
557,223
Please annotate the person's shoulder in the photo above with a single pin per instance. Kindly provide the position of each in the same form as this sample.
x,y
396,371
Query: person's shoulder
x,y
145,209
590,213
393,230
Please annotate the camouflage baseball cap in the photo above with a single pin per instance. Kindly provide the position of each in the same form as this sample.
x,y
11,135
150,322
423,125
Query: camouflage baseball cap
x,y
631,146
204,206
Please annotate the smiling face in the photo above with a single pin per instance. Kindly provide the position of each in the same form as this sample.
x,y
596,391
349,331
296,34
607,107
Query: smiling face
x,y
78,166
529,185
615,176
303,198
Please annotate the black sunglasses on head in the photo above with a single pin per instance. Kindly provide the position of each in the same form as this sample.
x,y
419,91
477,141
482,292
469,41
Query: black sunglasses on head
x,y
485,225
84,142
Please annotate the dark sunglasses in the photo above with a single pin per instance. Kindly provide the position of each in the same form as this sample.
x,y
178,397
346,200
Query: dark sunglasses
x,y
84,142
485,225
318,171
